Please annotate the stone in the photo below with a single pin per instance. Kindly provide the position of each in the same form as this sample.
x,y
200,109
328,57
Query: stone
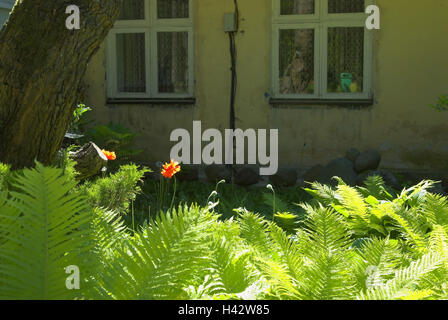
x,y
389,178
368,160
284,178
438,188
313,173
352,154
342,168
216,173
246,177
188,173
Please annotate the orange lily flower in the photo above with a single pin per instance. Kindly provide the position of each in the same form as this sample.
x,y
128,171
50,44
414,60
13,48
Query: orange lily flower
x,y
170,169
110,155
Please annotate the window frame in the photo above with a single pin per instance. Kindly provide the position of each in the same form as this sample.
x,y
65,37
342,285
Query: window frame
x,y
321,20
150,26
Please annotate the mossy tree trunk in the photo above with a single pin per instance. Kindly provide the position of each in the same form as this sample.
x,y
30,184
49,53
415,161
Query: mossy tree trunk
x,y
42,64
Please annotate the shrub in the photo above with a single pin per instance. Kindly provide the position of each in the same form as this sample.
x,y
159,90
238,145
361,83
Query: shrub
x,y
116,191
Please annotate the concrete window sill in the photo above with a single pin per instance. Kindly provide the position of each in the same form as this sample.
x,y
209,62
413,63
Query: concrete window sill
x,y
322,102
151,101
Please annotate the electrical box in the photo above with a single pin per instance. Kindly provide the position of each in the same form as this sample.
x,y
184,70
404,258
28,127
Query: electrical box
x,y
229,22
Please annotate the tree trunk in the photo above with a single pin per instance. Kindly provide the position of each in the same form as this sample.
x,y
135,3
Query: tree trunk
x,y
42,64
89,161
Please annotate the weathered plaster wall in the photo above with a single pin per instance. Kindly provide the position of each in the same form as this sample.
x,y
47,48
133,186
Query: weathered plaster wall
x,y
410,72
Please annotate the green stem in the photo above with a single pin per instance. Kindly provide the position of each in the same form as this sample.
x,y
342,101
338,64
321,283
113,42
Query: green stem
x,y
133,219
174,193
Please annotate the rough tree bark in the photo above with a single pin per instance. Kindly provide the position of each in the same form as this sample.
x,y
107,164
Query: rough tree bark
x,y
41,68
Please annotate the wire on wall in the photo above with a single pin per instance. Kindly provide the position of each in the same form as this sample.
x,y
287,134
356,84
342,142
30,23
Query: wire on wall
x,y
233,57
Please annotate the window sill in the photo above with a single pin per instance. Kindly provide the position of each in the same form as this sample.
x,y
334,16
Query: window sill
x,y
322,102
152,101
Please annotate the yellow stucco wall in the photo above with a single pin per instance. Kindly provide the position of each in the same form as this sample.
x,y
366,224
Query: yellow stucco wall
x,y
410,72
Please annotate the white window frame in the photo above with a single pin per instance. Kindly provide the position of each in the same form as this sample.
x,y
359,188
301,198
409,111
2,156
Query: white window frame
x,y
320,21
150,26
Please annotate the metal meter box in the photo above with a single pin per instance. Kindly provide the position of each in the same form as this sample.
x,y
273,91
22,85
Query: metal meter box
x,y
229,22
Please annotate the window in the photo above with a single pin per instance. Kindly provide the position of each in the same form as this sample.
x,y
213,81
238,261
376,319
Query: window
x,y
321,50
150,50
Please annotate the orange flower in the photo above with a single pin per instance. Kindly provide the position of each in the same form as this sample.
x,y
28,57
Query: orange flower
x,y
110,155
170,169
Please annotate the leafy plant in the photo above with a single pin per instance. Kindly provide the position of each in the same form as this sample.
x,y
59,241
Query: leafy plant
x,y
442,103
78,121
114,137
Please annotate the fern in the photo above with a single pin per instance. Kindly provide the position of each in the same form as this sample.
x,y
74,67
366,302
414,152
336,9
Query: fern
x,y
379,258
325,276
231,269
406,280
46,228
5,172
435,209
163,260
375,186
254,231
355,243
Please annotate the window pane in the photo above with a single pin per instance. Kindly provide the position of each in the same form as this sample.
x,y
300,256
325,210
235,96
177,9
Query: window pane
x,y
296,7
345,6
345,59
172,48
172,9
296,61
131,74
132,10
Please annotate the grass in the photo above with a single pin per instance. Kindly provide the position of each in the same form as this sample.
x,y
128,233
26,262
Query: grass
x,y
230,197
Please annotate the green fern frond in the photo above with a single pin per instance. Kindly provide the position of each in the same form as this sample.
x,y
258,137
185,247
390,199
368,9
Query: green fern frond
x,y
47,230
438,242
435,209
109,229
290,247
410,227
325,274
5,173
379,258
412,197
405,280
326,229
326,195
352,205
283,285
254,231
376,187
230,268
418,295
163,260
